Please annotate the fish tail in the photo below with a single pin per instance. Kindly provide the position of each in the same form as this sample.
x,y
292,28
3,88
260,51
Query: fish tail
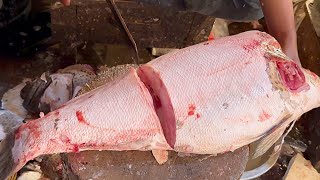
x,y
7,165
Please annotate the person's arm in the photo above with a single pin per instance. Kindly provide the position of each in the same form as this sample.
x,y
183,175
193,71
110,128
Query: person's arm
x,y
279,17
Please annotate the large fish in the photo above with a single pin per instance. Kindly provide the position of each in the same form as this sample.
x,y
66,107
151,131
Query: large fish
x,y
209,98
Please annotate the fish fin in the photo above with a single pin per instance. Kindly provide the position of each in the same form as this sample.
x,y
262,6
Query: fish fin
x,y
7,165
161,156
106,75
263,144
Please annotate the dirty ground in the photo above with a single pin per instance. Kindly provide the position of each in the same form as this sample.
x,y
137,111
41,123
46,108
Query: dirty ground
x,y
92,34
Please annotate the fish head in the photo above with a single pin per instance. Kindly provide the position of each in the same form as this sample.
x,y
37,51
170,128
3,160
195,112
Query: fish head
x,y
300,87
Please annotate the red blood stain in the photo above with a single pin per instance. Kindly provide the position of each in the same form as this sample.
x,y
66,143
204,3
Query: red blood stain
x,y
252,45
198,115
264,116
80,118
35,132
75,148
211,36
248,62
18,133
157,102
191,113
31,127
191,110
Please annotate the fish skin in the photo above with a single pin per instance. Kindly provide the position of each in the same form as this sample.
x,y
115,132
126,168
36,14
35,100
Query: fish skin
x,y
108,74
231,102
97,120
255,104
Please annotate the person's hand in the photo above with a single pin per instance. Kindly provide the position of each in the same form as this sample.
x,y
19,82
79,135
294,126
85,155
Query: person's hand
x,y
65,2
279,16
291,51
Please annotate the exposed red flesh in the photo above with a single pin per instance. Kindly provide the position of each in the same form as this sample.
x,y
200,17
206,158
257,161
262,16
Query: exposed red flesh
x,y
161,101
291,75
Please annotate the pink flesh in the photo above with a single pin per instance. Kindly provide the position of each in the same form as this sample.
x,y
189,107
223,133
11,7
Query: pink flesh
x,y
292,76
161,102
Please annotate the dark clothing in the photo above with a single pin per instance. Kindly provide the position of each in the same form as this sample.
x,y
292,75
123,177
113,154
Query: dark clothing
x,y
18,20
236,10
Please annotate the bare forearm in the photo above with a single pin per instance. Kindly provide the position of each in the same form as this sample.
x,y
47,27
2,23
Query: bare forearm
x,y
279,17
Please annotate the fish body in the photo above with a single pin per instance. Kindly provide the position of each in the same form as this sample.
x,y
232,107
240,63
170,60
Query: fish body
x,y
118,116
209,98
229,92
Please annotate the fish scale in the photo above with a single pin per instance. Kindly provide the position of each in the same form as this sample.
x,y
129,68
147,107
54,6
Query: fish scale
x,y
217,129
102,120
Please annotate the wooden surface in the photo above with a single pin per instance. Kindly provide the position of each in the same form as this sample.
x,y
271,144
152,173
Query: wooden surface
x,y
142,165
150,26
301,169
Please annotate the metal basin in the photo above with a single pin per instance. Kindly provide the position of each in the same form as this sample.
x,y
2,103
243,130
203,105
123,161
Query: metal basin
x,y
259,166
